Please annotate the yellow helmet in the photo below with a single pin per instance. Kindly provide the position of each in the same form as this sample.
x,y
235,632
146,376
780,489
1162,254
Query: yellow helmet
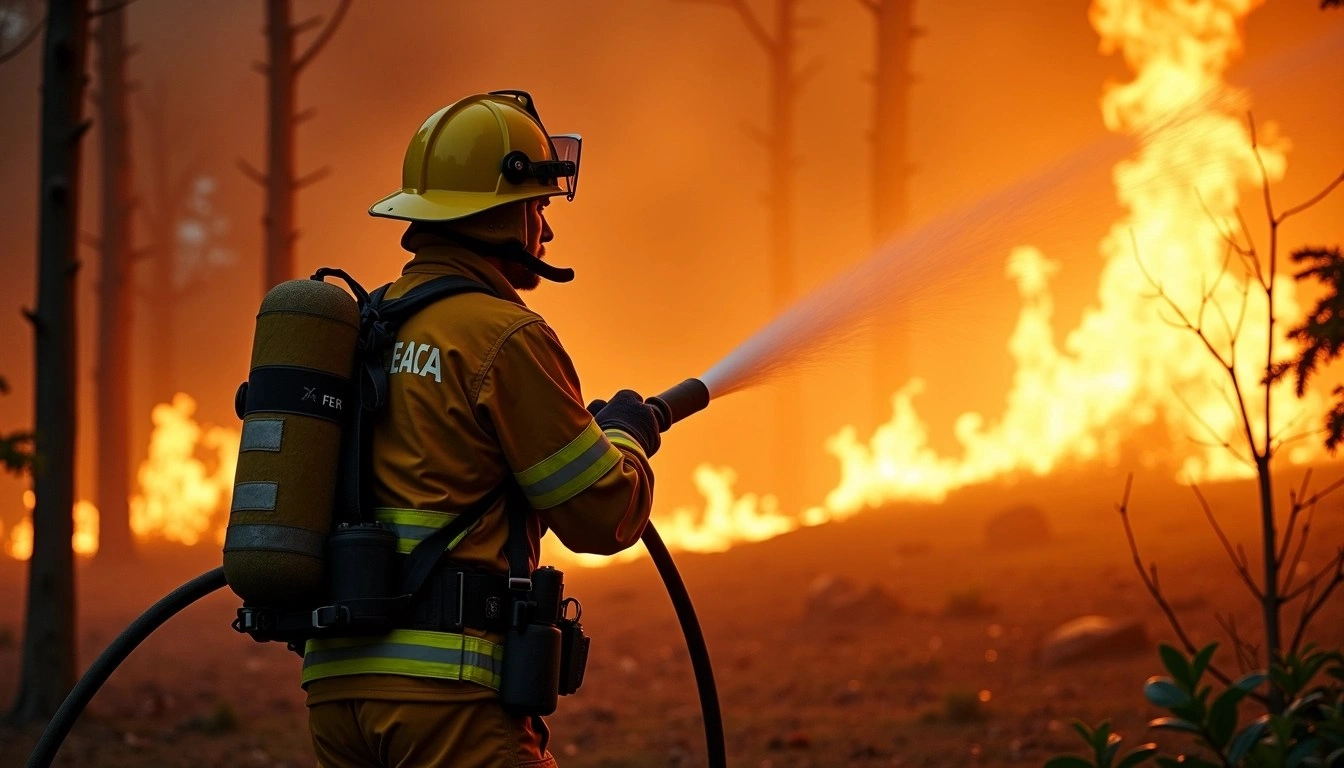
x,y
479,153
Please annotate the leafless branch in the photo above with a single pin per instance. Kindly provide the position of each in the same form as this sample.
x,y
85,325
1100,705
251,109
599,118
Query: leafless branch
x,y
251,172
1295,499
307,25
1247,653
112,7
1291,571
304,115
752,23
1218,440
807,72
1150,580
1309,584
323,37
312,178
1313,606
1318,197
1226,234
24,41
873,6
1264,174
757,135
1238,557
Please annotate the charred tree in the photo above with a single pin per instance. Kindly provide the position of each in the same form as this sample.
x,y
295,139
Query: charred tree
x,y
786,81
282,70
48,668
115,292
895,34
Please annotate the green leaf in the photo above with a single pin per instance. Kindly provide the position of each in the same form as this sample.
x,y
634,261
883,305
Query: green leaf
x,y
1174,724
1301,752
1083,731
1162,692
1250,682
1201,662
1247,739
1102,736
1223,713
1176,664
1067,761
1139,755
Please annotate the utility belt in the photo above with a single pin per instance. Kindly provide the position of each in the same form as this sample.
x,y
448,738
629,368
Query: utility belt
x,y
371,590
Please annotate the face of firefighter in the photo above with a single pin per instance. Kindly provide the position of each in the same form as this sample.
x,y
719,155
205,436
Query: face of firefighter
x,y
538,234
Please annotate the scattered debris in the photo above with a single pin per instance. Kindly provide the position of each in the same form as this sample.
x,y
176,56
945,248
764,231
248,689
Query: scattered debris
x,y
1092,636
836,599
963,706
1017,528
967,602
222,719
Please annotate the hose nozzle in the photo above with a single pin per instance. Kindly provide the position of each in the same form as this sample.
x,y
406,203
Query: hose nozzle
x,y
688,397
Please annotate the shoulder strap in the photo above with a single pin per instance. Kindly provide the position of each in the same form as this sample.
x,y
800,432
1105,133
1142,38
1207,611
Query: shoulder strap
x,y
380,319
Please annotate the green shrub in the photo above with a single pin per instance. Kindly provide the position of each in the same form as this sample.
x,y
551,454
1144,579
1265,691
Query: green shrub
x,y
1308,734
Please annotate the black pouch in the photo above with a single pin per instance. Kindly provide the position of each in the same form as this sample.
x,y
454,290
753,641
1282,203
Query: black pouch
x,y
573,648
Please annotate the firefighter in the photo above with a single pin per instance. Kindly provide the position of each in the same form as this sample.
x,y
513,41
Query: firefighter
x,y
482,396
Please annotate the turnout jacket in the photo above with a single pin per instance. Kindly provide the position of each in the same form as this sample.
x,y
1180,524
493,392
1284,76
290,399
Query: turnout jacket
x,y
480,391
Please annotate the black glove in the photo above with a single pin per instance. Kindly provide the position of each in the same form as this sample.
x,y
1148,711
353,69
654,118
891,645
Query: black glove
x,y
627,412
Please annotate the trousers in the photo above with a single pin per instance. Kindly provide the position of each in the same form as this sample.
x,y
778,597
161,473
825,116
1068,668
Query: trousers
x,y
362,733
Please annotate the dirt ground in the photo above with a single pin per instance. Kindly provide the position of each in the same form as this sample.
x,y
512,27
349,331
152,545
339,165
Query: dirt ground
x,y
863,688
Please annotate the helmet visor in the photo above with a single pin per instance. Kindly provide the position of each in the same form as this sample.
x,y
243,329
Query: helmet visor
x,y
568,147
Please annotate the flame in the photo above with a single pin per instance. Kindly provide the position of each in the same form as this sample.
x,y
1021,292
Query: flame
x,y
1123,367
180,495
19,545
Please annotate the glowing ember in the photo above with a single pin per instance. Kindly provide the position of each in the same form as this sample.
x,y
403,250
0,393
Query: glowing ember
x,y
19,544
180,494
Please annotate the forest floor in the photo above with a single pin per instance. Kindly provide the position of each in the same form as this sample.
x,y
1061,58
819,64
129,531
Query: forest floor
x,y
893,686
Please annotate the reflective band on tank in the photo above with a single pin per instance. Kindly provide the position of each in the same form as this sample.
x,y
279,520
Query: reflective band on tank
x,y
302,391
262,435
412,652
413,526
622,439
254,497
562,475
269,537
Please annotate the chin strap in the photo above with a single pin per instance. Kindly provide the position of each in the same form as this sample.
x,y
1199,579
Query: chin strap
x,y
511,251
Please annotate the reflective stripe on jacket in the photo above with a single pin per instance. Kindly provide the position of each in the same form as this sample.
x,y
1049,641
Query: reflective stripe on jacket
x,y
481,391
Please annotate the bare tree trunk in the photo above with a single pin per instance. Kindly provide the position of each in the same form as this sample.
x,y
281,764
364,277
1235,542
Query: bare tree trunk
x,y
115,295
894,23
279,216
48,668
282,73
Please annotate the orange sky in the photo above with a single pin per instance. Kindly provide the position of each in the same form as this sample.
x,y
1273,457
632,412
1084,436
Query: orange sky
x,y
667,233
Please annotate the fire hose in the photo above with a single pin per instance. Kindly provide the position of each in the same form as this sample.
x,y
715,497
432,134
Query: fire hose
x,y
682,400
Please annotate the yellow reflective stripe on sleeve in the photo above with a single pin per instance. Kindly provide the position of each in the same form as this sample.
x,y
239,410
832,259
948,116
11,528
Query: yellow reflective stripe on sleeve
x,y
562,475
415,525
412,652
622,439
